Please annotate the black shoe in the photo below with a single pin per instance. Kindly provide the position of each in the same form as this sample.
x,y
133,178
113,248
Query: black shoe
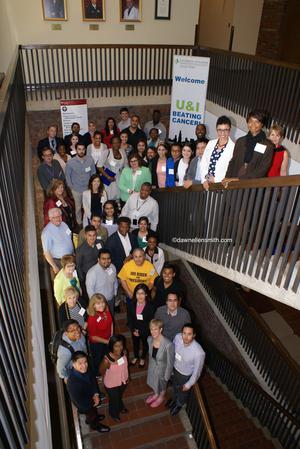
x,y
102,428
102,396
175,410
170,403
124,410
99,417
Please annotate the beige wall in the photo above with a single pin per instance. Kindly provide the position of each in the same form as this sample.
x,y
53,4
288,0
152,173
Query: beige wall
x,y
32,29
217,17
8,38
246,22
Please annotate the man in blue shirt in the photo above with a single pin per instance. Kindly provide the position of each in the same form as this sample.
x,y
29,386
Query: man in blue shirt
x,y
189,361
56,239
79,169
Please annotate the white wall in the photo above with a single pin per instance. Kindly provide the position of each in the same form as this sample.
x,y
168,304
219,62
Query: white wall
x,y
32,29
8,37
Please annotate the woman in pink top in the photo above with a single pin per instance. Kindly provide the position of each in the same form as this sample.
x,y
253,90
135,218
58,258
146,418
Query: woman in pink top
x,y
114,369
158,167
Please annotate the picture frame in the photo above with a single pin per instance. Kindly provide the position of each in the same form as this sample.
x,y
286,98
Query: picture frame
x,y
54,10
162,10
93,10
130,10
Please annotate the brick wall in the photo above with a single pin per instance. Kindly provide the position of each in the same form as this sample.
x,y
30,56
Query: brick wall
x,y
39,120
269,44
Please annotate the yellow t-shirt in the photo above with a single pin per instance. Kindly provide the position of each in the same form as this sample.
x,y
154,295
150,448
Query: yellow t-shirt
x,y
134,275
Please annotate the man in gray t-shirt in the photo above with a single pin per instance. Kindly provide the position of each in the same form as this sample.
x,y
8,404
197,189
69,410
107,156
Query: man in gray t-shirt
x,y
172,316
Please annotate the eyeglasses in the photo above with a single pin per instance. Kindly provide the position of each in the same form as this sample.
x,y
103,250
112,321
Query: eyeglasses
x,y
225,130
56,216
134,160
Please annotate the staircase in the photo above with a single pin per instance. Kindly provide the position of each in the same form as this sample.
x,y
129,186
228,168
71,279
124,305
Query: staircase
x,y
233,429
143,427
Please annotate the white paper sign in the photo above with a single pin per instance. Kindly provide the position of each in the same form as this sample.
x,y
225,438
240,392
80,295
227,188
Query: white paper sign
x,y
171,171
74,111
98,246
73,152
178,357
58,203
88,169
120,361
139,317
190,78
260,148
81,311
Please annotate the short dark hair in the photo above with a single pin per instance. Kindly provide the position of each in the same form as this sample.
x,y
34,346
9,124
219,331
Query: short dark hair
x,y
115,339
89,228
124,110
147,184
79,355
190,326
46,149
124,220
259,114
152,235
75,123
95,216
174,293
135,155
103,251
202,140
66,324
157,111
223,120
169,266
79,144
114,138
98,133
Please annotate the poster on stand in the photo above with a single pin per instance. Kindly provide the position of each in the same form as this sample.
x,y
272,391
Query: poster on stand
x,y
190,78
74,111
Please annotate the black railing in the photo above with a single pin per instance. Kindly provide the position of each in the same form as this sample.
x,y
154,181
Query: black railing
x,y
252,227
277,368
269,413
92,71
241,83
13,410
201,428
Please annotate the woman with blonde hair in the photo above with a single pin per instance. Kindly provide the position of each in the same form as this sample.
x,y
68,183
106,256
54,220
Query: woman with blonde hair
x,y
66,277
161,362
71,308
100,329
57,197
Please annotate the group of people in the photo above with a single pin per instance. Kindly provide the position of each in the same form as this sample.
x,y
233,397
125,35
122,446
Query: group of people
x,y
101,243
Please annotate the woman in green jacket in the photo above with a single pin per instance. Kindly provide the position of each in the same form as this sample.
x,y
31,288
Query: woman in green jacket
x,y
133,177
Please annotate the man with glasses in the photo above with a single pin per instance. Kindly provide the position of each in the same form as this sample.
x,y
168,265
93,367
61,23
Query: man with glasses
x,y
217,154
72,340
173,316
56,240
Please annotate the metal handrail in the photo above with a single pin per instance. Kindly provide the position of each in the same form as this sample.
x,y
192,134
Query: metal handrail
x,y
205,417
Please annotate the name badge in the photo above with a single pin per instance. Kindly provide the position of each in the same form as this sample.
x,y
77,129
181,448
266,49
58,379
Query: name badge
x,y
111,131
152,272
121,361
81,311
98,319
98,246
178,357
109,271
259,148
58,203
73,152
109,222
88,169
75,273
98,237
139,317
171,171
163,169
113,163
68,231
139,172
144,239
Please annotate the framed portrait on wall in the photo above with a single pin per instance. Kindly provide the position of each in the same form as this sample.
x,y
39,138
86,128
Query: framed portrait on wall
x,y
54,10
130,10
93,10
162,9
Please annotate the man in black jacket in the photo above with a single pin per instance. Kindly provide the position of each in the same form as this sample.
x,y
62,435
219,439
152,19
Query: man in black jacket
x,y
121,243
51,141
84,392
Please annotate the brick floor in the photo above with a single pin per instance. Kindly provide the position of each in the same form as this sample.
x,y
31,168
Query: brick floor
x,y
233,428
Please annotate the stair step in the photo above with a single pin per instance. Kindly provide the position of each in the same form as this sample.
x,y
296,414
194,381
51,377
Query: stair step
x,y
168,443
137,434
233,429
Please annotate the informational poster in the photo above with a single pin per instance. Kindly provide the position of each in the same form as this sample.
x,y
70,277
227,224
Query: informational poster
x,y
190,78
74,111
